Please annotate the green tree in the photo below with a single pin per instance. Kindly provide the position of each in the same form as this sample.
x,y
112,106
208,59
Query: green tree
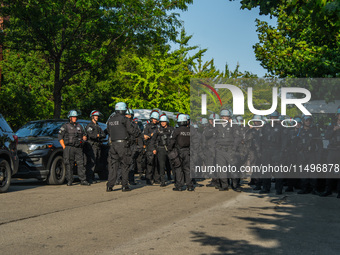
x,y
304,44
306,40
26,91
159,79
321,7
75,36
208,74
297,47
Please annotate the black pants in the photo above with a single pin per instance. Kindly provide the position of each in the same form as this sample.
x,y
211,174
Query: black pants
x,y
225,156
140,162
162,156
72,154
333,158
151,168
183,172
271,156
92,152
306,158
119,157
133,165
209,160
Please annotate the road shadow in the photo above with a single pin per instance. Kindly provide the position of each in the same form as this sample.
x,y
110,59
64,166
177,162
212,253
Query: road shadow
x,y
291,223
224,245
18,184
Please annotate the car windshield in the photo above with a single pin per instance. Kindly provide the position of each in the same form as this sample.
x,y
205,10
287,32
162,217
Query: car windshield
x,y
4,126
46,128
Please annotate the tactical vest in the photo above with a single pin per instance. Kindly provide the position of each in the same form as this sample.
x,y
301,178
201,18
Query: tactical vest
x,y
306,140
335,140
148,130
163,136
96,130
183,138
73,135
272,136
116,127
225,135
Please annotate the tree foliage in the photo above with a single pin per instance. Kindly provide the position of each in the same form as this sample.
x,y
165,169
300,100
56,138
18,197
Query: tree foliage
x,y
159,79
26,91
299,47
306,40
304,44
75,36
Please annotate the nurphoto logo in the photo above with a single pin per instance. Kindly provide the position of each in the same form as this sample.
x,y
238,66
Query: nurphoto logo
x,y
238,100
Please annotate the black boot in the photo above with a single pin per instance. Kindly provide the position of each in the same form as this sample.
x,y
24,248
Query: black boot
x,y
191,188
325,194
126,188
85,183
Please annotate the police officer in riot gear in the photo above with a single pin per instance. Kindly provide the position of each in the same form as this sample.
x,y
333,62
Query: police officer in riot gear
x,y
140,161
333,135
309,147
242,149
149,130
136,146
273,144
180,141
92,148
71,137
120,130
227,140
208,137
196,155
160,144
250,150
293,137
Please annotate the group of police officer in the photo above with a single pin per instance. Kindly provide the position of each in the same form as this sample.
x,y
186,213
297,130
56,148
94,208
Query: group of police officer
x,y
167,149
164,149
230,142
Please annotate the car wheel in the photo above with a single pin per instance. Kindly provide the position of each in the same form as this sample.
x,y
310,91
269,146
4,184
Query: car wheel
x,y
5,175
57,171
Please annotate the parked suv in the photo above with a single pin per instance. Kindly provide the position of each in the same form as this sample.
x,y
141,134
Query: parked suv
x,y
9,161
41,155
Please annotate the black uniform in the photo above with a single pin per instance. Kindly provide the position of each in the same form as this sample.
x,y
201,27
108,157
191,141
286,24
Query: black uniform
x,y
333,157
120,130
151,161
227,140
196,155
180,140
92,148
309,148
292,156
274,145
209,153
160,143
136,147
72,134
252,151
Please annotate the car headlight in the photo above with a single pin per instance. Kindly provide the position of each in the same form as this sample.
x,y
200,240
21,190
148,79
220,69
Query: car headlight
x,y
34,147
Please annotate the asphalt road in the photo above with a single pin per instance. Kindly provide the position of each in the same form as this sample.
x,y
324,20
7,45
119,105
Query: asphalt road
x,y
42,219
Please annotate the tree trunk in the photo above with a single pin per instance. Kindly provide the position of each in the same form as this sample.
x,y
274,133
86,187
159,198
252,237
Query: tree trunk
x,y
57,101
58,85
